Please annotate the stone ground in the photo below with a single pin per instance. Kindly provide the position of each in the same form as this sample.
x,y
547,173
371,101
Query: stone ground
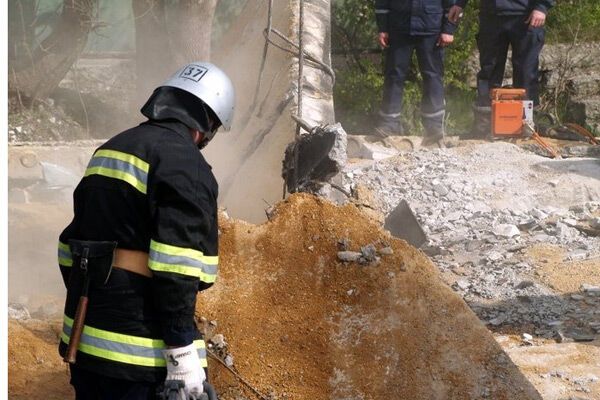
x,y
517,235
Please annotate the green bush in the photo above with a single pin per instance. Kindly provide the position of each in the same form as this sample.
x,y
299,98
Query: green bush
x,y
574,20
359,81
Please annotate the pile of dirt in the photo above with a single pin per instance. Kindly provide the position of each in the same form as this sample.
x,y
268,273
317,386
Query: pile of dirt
x,y
35,370
301,324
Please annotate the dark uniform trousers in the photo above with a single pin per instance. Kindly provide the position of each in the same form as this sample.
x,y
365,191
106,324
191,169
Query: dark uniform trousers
x,y
496,33
431,65
92,386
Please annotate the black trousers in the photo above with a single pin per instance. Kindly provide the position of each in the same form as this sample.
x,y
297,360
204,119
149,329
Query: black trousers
x,y
91,386
430,58
496,34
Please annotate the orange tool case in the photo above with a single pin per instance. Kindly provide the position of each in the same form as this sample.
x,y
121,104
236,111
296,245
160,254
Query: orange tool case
x,y
507,112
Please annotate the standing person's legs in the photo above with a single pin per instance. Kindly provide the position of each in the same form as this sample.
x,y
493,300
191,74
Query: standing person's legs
x,y
526,45
91,386
397,64
492,43
431,65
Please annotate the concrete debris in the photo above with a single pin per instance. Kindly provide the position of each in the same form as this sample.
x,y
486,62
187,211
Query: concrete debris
x,y
506,230
18,311
349,256
482,220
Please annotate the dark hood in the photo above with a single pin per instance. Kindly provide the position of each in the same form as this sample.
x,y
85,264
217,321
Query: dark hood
x,y
169,103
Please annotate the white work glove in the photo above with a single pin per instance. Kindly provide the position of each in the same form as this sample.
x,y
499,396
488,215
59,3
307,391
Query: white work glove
x,y
183,364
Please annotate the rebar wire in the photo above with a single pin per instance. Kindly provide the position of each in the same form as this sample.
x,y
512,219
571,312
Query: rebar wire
x,y
300,65
268,40
237,375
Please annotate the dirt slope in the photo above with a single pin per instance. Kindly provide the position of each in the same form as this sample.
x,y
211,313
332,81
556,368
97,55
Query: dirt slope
x,y
35,370
302,325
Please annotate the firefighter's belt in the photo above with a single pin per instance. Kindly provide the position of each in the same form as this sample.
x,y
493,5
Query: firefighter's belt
x,y
132,261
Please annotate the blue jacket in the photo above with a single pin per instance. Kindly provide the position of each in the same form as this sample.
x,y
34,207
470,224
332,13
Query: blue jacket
x,y
414,17
511,7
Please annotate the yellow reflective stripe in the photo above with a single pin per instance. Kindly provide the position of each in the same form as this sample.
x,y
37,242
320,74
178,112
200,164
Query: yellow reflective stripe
x,y
184,252
112,173
120,165
180,269
64,255
129,158
92,338
119,337
116,356
184,261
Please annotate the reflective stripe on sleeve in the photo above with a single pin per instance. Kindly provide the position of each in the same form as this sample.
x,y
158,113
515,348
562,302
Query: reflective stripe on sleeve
x,y
64,255
119,165
122,348
382,11
185,261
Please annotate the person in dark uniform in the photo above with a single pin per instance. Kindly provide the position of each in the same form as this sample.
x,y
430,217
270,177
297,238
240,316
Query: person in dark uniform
x,y
148,204
503,23
421,26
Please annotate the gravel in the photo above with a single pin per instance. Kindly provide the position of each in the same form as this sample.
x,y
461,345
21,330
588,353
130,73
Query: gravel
x,y
481,208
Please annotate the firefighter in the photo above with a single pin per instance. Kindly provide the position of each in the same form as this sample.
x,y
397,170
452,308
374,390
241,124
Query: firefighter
x,y
520,24
149,192
420,26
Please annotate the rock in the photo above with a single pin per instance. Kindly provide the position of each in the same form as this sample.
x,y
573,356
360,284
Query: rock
x,y
343,244
499,320
461,284
538,214
369,253
228,360
48,310
577,255
386,251
218,341
474,245
528,225
577,297
349,256
595,223
18,311
590,288
440,189
495,256
525,284
359,148
506,230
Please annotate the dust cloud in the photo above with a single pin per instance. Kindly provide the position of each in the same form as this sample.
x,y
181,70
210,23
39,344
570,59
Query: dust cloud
x,y
51,141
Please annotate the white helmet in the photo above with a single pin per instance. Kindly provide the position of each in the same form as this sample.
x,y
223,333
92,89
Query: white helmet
x,y
211,85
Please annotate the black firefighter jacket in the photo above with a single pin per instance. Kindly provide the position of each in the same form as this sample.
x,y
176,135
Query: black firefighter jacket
x,y
414,17
149,189
511,7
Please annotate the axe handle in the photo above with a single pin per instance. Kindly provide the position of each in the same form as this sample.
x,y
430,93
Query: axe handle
x,y
76,330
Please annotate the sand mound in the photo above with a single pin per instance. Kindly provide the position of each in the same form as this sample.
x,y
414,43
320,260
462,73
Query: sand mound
x,y
303,325
35,370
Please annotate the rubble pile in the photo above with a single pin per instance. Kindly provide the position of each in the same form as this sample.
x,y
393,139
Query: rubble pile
x,y
486,210
320,303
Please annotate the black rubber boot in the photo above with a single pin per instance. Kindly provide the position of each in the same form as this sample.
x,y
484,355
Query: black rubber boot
x,y
434,129
482,123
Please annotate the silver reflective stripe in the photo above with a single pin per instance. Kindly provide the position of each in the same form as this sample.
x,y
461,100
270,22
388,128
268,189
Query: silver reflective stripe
x,y
128,349
164,258
382,11
434,114
63,253
119,165
395,115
